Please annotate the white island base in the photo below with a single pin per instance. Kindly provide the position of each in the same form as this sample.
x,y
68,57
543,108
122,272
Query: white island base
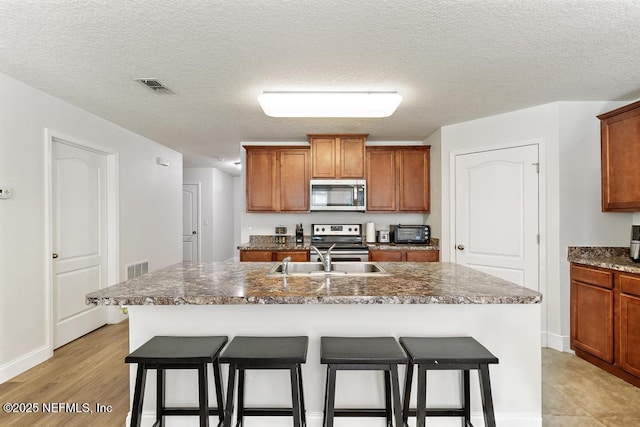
x,y
509,331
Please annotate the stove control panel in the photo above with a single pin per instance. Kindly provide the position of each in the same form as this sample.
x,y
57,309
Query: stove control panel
x,y
336,229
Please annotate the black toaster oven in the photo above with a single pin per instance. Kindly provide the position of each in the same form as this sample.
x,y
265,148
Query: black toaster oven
x,y
410,234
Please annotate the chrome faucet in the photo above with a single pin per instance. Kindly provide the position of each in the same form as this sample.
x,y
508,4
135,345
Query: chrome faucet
x,y
285,264
325,258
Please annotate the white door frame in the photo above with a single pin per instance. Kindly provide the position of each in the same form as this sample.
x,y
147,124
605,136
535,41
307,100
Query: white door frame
x,y
112,216
542,206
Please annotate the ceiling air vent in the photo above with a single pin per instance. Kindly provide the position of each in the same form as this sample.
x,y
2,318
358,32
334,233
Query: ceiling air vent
x,y
155,85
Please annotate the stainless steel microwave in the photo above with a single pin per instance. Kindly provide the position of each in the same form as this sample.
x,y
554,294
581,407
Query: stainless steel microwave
x,y
338,195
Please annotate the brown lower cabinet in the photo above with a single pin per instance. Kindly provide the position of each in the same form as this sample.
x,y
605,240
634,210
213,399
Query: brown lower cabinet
x,y
269,256
403,255
605,319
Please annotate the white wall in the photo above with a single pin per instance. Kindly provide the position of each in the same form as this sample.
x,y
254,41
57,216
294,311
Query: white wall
x,y
582,222
569,137
435,217
239,201
216,212
264,223
149,204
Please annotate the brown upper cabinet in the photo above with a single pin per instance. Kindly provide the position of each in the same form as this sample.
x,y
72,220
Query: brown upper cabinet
x,y
398,179
337,156
620,155
277,179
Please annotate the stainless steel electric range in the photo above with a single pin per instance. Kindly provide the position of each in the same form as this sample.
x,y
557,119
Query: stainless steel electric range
x,y
349,244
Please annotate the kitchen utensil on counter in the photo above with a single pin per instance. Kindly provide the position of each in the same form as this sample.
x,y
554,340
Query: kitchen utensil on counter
x,y
370,232
634,247
281,232
299,234
383,236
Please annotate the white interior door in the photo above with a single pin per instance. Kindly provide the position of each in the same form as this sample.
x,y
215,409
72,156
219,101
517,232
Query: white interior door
x,y
190,244
496,213
79,201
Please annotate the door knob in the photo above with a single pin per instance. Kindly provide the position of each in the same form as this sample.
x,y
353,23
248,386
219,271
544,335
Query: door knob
x,y
460,247
54,256
194,232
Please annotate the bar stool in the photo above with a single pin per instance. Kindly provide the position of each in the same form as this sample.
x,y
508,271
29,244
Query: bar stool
x,y
244,353
447,353
364,354
172,352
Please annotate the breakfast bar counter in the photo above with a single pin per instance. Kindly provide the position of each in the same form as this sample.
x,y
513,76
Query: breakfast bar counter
x,y
247,283
414,299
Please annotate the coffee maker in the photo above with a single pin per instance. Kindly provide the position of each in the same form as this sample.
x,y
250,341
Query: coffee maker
x,y
634,247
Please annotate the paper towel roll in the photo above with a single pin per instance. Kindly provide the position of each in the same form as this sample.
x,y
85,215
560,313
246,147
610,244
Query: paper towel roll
x,y
370,232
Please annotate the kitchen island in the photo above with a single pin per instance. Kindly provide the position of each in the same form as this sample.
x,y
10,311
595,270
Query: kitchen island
x,y
417,299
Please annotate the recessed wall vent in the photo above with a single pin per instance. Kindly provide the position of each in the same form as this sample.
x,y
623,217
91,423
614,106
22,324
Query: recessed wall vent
x,y
155,85
137,269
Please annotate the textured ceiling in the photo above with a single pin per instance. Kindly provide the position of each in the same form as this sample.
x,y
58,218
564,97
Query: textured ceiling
x,y
452,61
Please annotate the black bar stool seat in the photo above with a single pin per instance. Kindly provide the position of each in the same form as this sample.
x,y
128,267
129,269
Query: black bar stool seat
x,y
366,354
245,353
447,353
177,352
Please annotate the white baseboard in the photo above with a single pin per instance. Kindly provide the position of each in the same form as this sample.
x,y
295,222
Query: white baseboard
x,y
314,419
25,362
115,315
555,341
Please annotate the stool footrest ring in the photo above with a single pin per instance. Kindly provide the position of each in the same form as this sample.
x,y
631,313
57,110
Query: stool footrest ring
x,y
439,412
359,412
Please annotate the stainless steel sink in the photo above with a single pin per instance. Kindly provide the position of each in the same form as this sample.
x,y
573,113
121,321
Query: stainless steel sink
x,y
337,269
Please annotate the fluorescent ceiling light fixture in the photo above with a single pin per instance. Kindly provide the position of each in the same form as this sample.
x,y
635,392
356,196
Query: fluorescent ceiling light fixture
x,y
329,104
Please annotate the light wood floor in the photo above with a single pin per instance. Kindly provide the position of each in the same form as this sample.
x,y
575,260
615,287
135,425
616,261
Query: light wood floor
x,y
577,394
92,370
88,370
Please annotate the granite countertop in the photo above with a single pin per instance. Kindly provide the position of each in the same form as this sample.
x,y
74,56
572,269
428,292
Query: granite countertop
x,y
612,258
399,247
247,283
272,246
266,246
267,243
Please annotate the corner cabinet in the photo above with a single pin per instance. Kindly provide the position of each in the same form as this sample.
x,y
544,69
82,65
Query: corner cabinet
x,y
605,320
277,179
620,156
630,323
337,156
398,179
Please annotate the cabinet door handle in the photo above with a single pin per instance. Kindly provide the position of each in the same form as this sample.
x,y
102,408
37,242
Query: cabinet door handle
x,y
194,232
54,256
460,247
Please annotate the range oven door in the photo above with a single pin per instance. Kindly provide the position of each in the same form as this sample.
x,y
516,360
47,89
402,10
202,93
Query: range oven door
x,y
344,256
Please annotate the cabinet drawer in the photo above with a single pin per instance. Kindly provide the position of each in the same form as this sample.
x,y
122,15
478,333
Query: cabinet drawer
x,y
385,255
630,284
296,256
592,276
256,256
422,256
